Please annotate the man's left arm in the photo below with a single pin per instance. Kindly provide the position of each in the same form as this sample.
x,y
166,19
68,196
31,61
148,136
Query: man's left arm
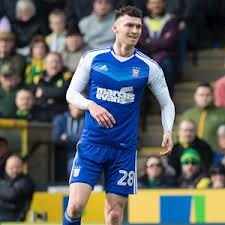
x,y
157,85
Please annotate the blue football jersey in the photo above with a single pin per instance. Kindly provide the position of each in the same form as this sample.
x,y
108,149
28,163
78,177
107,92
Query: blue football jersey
x,y
117,84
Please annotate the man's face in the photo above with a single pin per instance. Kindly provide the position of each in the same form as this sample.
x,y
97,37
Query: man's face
x,y
74,42
156,7
154,168
53,64
14,167
25,14
190,169
8,83
102,8
221,141
218,180
187,131
6,47
128,30
203,97
24,100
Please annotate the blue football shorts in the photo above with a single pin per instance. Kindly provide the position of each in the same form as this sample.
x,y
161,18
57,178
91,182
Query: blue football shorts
x,y
119,167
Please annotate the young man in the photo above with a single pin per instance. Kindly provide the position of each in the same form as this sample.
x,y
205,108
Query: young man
x,y
205,114
117,76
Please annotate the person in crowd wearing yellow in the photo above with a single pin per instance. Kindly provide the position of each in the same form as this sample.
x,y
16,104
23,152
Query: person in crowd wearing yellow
x,y
50,91
24,102
38,49
192,175
206,115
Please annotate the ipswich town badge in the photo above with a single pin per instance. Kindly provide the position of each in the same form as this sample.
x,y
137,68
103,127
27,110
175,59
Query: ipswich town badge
x,y
135,72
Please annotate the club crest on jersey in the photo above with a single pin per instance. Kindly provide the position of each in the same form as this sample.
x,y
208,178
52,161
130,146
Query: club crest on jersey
x,y
76,172
135,72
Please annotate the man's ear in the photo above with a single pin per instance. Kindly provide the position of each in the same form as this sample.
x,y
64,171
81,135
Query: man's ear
x,y
114,27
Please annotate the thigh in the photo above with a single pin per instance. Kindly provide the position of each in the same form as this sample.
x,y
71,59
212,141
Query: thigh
x,y
121,175
86,168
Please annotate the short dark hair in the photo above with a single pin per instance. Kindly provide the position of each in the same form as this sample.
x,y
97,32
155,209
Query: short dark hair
x,y
205,84
128,10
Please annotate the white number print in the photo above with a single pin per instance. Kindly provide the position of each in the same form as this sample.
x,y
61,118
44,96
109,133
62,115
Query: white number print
x,y
130,180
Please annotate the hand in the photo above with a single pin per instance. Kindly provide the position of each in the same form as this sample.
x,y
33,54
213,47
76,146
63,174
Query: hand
x,y
39,92
167,142
50,101
63,137
101,115
182,25
167,35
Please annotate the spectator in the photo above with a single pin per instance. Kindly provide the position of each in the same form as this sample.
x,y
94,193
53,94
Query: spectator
x,y
27,25
4,152
38,50
7,53
68,128
155,175
24,103
177,8
192,175
217,175
97,27
206,115
9,8
8,89
219,92
16,191
187,138
140,4
75,10
219,155
75,48
57,39
47,6
51,89
159,38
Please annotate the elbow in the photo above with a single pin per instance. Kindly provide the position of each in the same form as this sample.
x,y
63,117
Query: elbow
x,y
68,96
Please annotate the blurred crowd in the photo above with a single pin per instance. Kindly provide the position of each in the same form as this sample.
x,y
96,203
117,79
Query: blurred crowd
x,y
41,42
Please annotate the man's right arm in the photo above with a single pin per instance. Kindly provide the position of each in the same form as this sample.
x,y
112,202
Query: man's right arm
x,y
157,85
79,81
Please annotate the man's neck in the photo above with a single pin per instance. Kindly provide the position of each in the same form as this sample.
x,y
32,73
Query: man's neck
x,y
122,50
156,15
3,55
